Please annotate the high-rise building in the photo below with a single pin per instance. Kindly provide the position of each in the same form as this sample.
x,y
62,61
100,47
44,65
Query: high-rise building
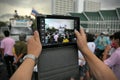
x,y
80,6
92,5
64,7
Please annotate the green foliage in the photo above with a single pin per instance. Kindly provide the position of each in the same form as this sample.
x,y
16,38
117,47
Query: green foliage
x,y
51,30
34,25
2,24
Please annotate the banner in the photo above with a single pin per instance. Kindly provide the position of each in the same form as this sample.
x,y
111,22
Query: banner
x,y
21,23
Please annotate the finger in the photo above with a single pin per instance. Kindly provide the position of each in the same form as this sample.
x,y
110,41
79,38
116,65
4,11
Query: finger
x,y
77,33
82,31
36,36
30,39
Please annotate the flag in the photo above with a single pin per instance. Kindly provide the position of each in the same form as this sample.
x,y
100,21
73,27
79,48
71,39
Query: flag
x,y
34,12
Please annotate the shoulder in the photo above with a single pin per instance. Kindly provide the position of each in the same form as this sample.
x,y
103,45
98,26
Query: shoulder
x,y
17,43
116,54
114,58
23,43
91,44
117,51
9,39
3,40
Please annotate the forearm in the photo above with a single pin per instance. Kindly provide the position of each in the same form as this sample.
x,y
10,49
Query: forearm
x,y
105,55
98,68
20,56
106,52
15,55
24,72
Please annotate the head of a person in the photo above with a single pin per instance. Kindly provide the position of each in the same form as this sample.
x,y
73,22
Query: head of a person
x,y
90,37
102,34
111,37
22,37
6,33
116,39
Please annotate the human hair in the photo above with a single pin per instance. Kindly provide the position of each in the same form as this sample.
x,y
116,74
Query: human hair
x,y
116,35
22,37
111,37
6,33
90,37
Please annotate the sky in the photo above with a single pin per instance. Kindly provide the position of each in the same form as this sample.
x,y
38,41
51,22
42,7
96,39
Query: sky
x,y
56,23
110,4
24,7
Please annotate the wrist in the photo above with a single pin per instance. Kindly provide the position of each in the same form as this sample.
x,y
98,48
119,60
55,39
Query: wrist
x,y
31,61
33,53
32,57
86,51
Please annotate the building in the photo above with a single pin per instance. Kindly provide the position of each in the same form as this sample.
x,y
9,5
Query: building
x,y
80,6
64,7
100,21
92,5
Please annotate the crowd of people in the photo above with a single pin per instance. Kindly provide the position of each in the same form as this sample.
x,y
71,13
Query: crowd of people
x,y
12,52
106,48
98,57
56,37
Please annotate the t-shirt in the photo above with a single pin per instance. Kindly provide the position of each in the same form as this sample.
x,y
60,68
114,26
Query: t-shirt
x,y
114,62
65,40
56,37
91,46
102,42
7,44
20,47
81,60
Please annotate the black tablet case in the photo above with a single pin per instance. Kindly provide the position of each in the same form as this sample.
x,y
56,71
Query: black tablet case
x,y
60,63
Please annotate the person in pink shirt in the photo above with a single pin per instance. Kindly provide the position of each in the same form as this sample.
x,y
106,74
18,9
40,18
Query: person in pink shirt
x,y
114,60
56,37
7,46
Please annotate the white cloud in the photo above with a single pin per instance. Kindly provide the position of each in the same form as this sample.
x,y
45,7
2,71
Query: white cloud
x,y
24,6
110,4
43,6
16,2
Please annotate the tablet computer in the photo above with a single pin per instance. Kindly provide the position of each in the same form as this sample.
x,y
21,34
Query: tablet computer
x,y
57,30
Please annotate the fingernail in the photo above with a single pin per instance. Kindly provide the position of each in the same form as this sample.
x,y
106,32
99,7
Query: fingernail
x,y
75,30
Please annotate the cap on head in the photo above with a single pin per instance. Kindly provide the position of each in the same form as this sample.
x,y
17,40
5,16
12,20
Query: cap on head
x,y
103,33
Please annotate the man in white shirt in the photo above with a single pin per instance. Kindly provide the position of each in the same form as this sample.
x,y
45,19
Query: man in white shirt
x,y
82,63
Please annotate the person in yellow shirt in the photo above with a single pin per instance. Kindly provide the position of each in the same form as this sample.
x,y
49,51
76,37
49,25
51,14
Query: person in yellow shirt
x,y
65,40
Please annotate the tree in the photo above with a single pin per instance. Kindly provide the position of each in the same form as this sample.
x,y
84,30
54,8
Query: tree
x,y
2,24
34,25
53,29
